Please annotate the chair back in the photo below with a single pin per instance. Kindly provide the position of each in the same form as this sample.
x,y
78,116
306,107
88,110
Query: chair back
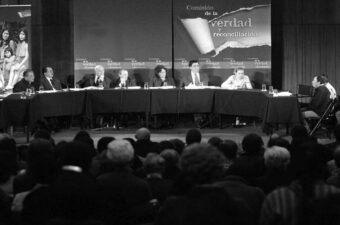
x,y
328,115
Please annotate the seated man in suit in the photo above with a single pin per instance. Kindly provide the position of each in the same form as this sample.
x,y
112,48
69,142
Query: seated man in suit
x,y
123,81
320,100
26,82
48,81
195,78
97,80
237,81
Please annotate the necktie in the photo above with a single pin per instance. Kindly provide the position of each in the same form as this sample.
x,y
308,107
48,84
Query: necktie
x,y
52,83
197,81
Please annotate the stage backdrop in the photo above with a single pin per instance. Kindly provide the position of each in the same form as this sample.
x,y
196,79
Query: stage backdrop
x,y
129,34
139,34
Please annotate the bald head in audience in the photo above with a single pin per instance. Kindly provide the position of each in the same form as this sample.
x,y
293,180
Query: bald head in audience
x,y
143,134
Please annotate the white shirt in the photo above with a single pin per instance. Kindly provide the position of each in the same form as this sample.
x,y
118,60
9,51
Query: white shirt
x,y
49,80
331,90
193,77
236,83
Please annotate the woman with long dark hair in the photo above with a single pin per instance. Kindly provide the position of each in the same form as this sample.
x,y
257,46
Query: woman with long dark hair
x,y
21,60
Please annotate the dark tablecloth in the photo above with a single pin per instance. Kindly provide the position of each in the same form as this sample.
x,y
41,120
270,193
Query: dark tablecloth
x,y
15,111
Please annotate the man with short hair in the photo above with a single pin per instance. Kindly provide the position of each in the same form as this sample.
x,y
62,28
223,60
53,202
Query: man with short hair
x,y
123,80
120,186
97,80
48,81
144,145
196,78
26,82
237,81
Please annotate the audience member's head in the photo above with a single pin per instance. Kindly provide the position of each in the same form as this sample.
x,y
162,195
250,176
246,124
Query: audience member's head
x,y
41,161
44,134
84,137
8,170
336,132
120,152
170,156
165,145
229,149
311,161
193,136
103,142
132,142
154,163
276,157
179,145
74,154
278,142
252,144
7,143
336,155
215,141
299,131
203,163
143,134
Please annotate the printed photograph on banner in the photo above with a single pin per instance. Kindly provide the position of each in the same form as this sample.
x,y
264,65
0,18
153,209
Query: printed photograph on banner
x,y
15,44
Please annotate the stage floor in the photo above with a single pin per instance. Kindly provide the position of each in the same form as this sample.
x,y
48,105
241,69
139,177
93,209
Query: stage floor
x,y
230,132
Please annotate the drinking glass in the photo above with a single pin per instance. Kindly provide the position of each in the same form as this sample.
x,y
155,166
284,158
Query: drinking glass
x,y
275,92
165,84
264,87
28,92
201,84
146,85
41,88
270,90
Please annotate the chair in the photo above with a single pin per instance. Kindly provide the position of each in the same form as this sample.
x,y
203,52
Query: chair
x,y
327,119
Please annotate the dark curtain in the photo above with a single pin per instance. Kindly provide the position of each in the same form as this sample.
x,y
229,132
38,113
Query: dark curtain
x,y
311,42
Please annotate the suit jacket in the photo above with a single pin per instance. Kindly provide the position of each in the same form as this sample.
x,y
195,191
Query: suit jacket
x,y
129,82
320,100
89,80
47,85
187,79
157,82
22,85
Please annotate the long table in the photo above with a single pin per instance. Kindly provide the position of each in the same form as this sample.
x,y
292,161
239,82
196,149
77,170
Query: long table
x,y
15,110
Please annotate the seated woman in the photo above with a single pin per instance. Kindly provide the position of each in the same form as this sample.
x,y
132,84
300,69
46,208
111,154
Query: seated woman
x,y
237,81
21,60
161,78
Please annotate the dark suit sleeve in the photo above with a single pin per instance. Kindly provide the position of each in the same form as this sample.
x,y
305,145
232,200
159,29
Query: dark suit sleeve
x,y
57,84
205,79
107,82
82,82
184,81
132,82
17,87
171,81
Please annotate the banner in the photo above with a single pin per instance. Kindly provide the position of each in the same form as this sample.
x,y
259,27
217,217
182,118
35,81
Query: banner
x,y
13,20
223,35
